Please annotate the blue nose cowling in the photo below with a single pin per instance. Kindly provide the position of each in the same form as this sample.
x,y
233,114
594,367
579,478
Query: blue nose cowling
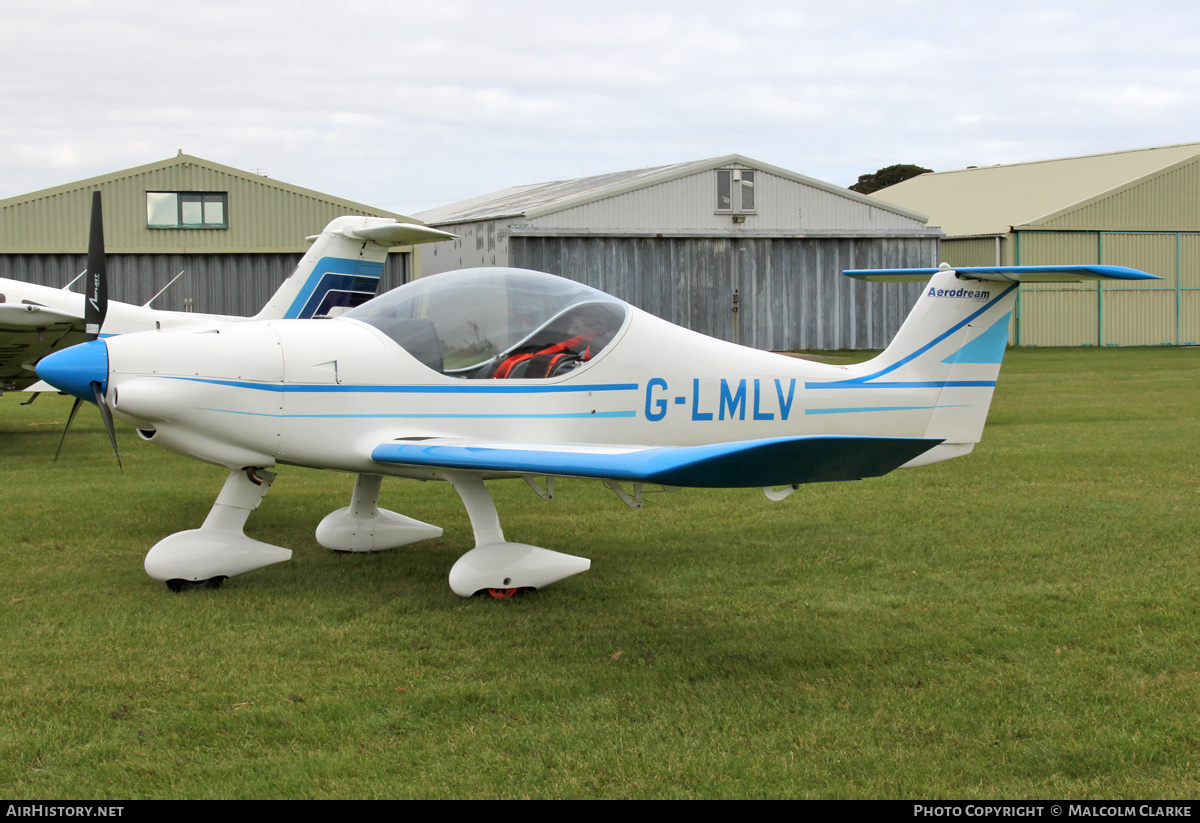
x,y
73,370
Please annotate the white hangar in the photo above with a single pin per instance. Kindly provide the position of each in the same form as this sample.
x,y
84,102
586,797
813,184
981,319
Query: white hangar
x,y
730,247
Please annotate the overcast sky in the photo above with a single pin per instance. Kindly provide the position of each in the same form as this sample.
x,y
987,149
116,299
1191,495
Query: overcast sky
x,y
410,105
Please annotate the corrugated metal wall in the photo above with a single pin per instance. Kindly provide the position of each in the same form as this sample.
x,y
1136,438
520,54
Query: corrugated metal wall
x,y
234,284
791,291
1144,225
972,251
1142,313
484,243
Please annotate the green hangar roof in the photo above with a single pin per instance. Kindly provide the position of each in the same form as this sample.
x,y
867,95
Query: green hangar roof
x,y
184,204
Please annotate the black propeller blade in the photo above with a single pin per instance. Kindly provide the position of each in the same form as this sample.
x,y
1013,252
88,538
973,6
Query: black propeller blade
x,y
96,306
106,415
94,310
66,428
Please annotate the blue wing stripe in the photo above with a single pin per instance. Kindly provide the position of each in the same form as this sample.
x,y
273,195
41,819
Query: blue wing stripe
x,y
776,461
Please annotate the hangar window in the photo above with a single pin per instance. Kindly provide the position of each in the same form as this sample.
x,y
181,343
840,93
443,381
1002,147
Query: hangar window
x,y
187,210
735,191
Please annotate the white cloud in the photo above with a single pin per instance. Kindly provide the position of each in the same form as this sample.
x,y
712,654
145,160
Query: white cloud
x,y
398,103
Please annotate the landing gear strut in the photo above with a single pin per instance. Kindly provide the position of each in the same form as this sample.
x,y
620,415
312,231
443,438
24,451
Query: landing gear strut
x,y
203,558
495,564
364,527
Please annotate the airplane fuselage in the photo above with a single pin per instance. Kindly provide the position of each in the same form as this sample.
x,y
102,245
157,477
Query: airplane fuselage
x,y
325,394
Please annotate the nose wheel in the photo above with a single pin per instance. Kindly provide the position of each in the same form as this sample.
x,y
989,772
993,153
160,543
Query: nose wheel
x,y
180,585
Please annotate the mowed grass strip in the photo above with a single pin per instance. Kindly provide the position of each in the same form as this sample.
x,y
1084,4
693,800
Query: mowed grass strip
x,y
1018,623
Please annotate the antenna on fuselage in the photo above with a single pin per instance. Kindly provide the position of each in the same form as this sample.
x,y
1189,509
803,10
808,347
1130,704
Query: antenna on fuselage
x,y
146,305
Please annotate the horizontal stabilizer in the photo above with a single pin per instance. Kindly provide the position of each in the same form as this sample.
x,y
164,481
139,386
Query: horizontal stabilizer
x,y
401,234
394,234
779,461
1006,274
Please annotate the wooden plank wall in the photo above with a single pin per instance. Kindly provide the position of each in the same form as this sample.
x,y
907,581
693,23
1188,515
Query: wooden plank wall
x,y
791,291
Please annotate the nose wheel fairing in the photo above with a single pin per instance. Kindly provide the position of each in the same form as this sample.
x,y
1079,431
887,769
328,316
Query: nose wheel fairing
x,y
219,548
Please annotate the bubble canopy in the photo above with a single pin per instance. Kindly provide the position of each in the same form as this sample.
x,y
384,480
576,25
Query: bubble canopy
x,y
497,323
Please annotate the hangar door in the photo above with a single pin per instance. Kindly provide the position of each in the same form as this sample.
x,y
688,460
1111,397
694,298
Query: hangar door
x,y
789,292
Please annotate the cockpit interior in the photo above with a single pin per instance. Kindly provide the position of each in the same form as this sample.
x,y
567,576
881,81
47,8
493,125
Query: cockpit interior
x,y
497,323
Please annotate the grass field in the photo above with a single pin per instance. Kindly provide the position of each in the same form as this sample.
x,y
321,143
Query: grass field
x,y
1019,623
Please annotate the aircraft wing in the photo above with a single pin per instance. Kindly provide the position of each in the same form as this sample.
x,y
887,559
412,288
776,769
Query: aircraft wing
x,y
27,333
776,461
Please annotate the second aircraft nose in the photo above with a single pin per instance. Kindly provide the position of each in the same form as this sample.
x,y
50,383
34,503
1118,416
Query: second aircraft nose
x,y
73,370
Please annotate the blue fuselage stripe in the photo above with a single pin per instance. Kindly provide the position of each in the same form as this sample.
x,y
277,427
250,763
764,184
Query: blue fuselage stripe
x,y
912,384
464,389
480,416
879,409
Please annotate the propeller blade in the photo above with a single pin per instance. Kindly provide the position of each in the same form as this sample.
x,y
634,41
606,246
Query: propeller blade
x,y
75,408
108,422
96,305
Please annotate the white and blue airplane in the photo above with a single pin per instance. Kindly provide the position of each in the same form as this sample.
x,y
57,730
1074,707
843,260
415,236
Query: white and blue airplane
x,y
506,373
339,271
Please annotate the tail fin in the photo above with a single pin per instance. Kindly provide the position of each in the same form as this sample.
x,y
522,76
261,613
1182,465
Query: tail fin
x,y
343,266
954,340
